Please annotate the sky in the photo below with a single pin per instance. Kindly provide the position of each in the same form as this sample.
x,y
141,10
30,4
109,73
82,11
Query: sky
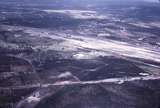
x,y
152,0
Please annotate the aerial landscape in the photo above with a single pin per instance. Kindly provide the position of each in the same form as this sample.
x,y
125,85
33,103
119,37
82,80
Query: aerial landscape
x,y
79,54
